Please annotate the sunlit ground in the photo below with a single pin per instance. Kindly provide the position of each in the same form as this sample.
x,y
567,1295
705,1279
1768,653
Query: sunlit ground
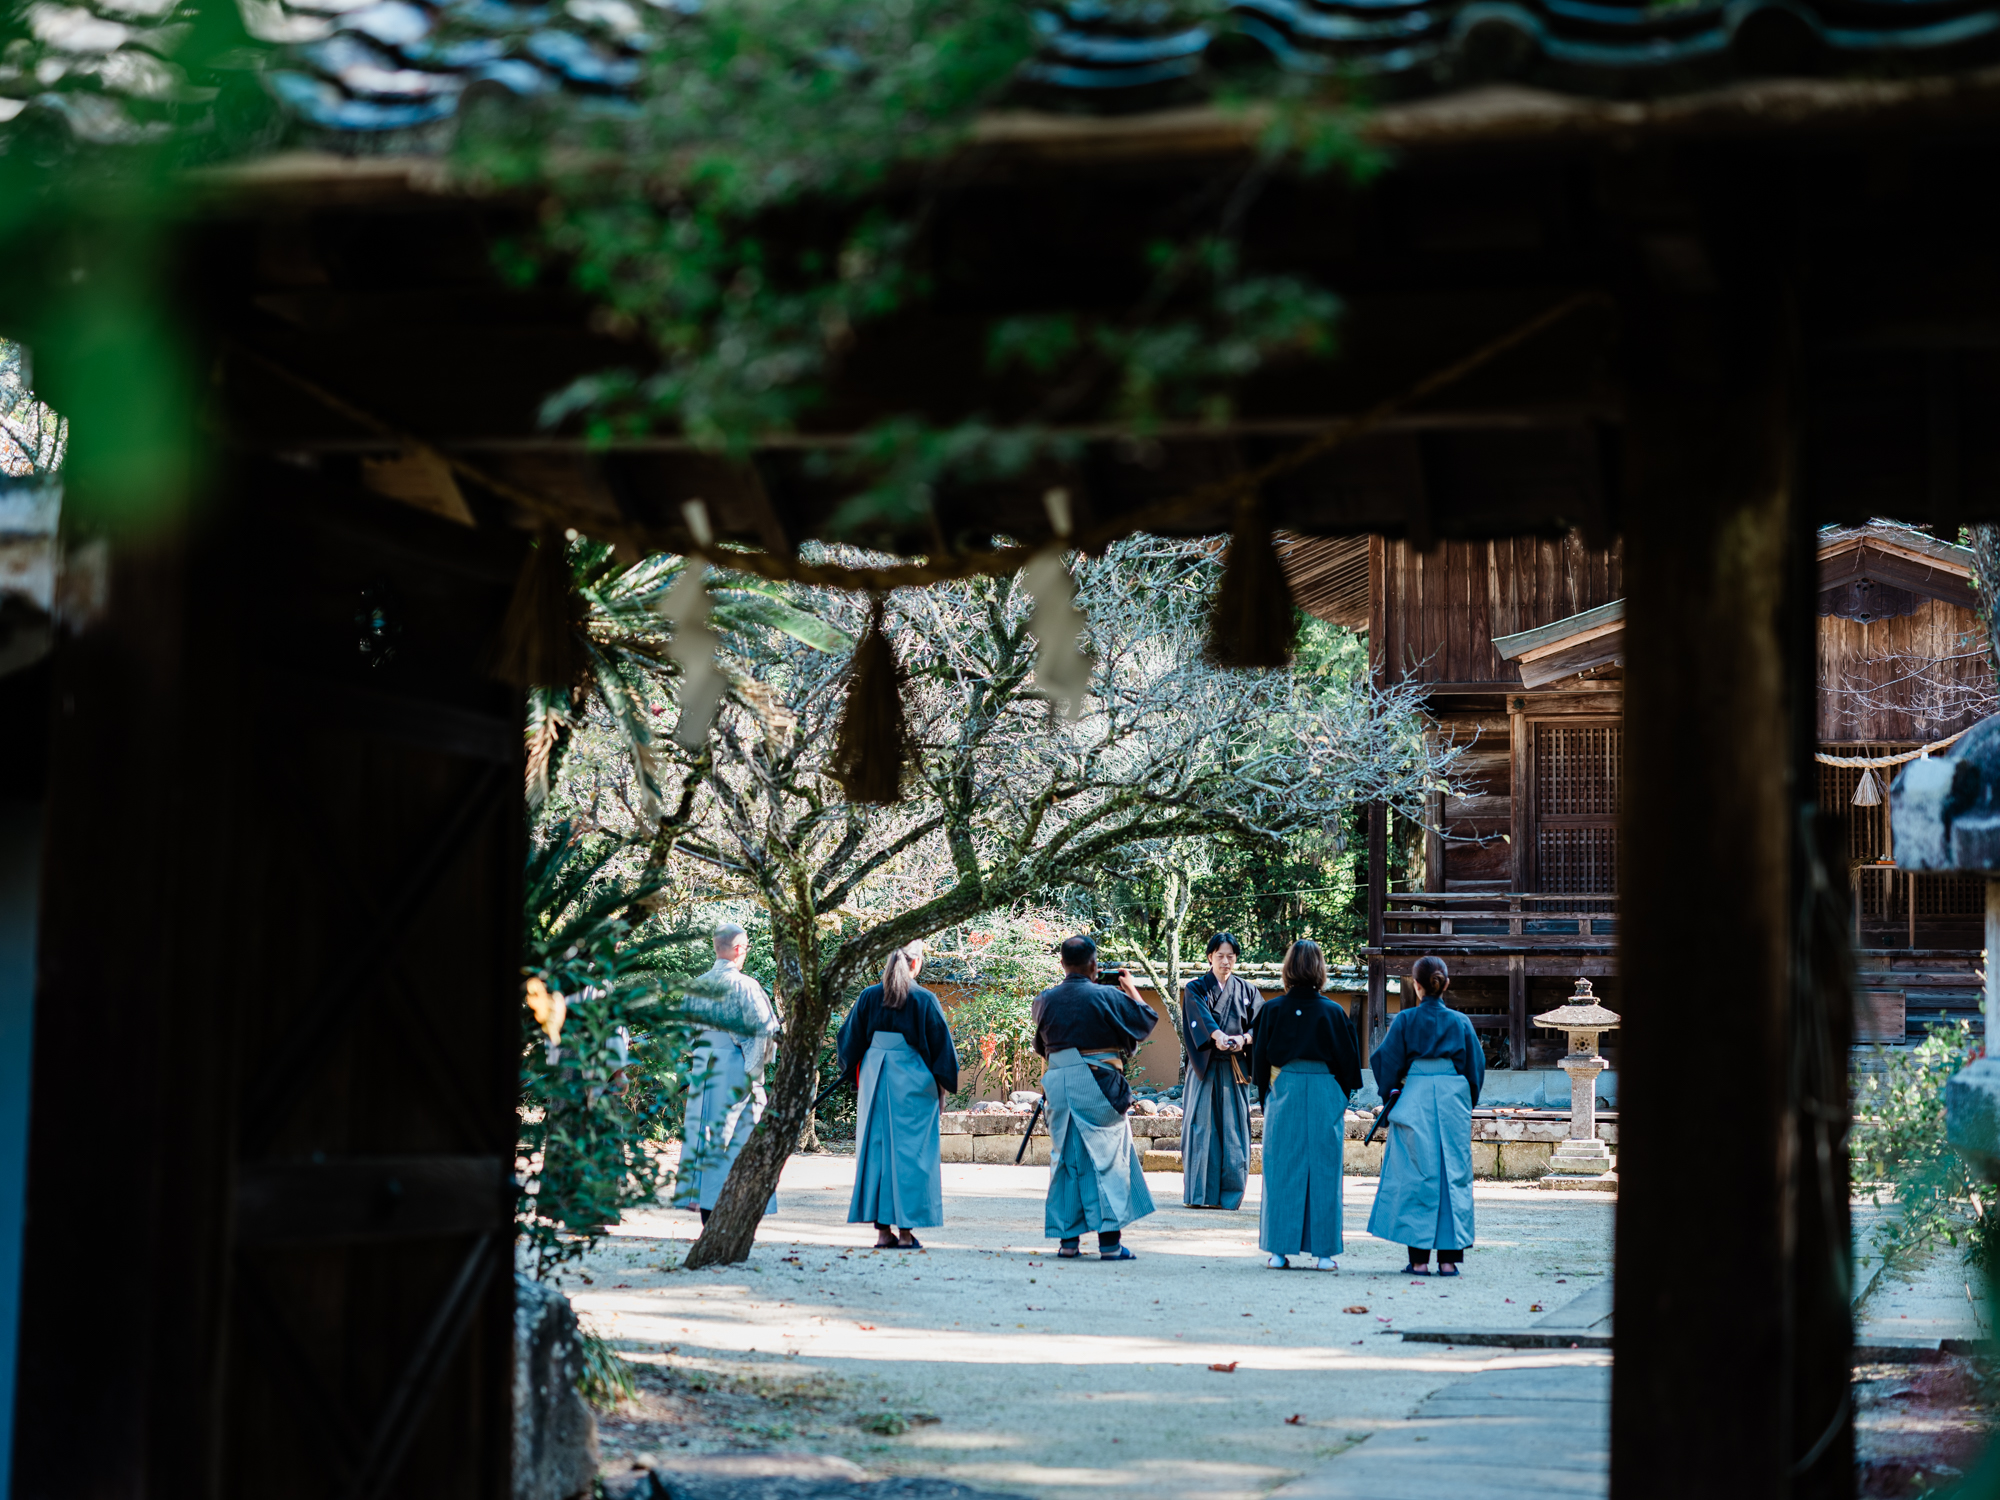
x,y
1082,1378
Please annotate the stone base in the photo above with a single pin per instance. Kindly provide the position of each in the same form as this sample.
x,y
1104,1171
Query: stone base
x,y
1585,1158
1577,1182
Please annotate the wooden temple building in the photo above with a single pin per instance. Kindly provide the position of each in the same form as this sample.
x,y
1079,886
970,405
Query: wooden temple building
x,y
1520,646
1736,270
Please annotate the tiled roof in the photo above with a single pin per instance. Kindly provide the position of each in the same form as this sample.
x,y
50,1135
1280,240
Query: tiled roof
x,y
367,67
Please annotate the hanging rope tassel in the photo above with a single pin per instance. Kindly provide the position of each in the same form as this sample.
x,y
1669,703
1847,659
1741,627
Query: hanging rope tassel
x,y
1253,622
1869,792
873,742
537,644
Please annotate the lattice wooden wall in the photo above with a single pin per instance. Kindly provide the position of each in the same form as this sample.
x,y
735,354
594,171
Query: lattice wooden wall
x,y
1578,768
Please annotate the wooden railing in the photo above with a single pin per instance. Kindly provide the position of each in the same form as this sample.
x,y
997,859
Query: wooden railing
x,y
1499,922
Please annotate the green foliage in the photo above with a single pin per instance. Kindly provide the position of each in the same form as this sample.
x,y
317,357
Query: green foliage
x,y
767,201
1900,1150
594,1095
606,1379
998,968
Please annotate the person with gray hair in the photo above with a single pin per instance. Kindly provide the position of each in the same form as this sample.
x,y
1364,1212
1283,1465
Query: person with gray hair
x,y
725,1096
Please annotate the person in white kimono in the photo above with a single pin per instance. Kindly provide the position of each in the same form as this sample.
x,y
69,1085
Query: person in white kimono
x,y
1429,1068
726,1093
1087,1031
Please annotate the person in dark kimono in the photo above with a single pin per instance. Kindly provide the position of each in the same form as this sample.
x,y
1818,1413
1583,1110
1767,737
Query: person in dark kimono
x,y
896,1043
1305,1063
1216,1011
1087,1031
1429,1068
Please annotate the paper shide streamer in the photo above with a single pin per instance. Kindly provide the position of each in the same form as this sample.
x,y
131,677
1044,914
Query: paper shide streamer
x,y
1062,669
694,643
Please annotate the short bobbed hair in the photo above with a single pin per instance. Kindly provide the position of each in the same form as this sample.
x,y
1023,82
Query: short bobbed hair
x,y
1305,967
1077,952
1226,940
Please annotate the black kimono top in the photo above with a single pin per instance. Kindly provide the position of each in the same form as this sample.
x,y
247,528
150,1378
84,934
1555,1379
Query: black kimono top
x,y
1207,1008
1304,1026
1093,1018
919,1021
1429,1029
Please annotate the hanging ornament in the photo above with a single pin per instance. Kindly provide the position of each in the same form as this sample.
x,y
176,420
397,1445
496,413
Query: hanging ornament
x,y
872,744
1253,622
1868,793
1062,668
537,644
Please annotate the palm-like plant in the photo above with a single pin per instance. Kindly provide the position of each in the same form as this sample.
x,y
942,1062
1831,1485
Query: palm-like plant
x,y
602,1041
623,633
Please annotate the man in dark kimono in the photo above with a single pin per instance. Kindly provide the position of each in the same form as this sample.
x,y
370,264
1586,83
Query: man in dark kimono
x,y
1087,1030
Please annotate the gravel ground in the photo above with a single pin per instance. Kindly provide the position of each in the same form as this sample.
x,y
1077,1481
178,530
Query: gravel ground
x,y
986,1360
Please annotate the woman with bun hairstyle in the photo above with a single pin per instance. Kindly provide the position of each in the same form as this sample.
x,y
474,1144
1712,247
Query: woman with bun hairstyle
x,y
1305,1063
1429,1069
896,1042
1216,1010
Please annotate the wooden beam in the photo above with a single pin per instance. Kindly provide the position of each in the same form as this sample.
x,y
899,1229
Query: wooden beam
x,y
1745,1374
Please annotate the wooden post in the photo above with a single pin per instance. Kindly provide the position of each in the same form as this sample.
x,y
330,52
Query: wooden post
x,y
1742,1368
1377,1020
1520,794
1517,1007
1992,1006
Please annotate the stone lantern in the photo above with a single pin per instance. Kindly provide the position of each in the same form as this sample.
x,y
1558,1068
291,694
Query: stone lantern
x,y
1582,1161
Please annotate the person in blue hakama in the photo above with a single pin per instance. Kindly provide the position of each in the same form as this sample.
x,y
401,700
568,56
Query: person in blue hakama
x,y
896,1043
726,1096
1087,1031
1216,1011
1305,1063
1429,1067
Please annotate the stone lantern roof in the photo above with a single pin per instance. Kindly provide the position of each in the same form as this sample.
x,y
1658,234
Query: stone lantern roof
x,y
1583,1013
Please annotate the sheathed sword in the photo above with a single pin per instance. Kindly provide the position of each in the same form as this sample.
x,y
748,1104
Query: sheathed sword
x,y
1033,1115
1381,1115
829,1091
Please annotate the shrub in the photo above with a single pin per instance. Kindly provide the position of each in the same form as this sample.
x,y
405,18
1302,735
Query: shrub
x,y
1899,1150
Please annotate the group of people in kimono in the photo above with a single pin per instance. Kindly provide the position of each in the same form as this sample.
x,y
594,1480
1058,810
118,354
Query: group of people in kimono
x,y
1303,1067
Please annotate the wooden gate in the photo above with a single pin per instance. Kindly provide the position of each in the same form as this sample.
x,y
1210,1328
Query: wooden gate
x,y
278,1036
1577,773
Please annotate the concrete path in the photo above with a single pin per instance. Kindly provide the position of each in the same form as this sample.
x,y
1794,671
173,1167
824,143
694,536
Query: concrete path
x,y
1067,1380
1503,1434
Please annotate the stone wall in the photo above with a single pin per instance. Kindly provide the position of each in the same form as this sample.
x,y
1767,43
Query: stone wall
x,y
1503,1146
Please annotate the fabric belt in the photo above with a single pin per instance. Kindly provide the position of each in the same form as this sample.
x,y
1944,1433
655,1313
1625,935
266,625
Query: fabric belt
x,y
1425,1065
889,1041
1301,1067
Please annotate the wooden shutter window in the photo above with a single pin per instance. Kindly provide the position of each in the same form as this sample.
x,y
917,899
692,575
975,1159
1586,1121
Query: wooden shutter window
x,y
1578,768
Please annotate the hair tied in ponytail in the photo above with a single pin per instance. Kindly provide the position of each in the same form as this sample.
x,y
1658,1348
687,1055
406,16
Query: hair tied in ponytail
x,y
900,975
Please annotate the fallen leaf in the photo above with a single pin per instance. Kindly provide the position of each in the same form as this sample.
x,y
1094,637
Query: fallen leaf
x,y
1228,1369
1033,1308
1357,1308
865,1327
1295,1419
1534,1307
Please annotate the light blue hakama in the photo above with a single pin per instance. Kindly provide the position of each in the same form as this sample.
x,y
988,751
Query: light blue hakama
x,y
1305,1133
898,1176
1425,1200
1215,1138
1095,1180
721,1113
